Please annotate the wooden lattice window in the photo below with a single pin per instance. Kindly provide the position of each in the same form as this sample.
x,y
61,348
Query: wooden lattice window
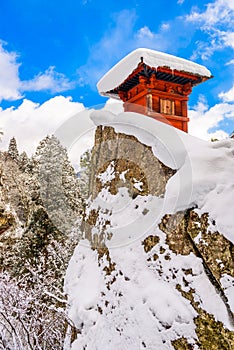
x,y
167,106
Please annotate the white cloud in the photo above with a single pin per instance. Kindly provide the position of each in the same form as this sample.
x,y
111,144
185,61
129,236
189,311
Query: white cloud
x,y
31,122
114,106
205,49
145,33
9,75
50,80
228,39
230,62
11,86
165,26
203,119
219,11
180,2
68,120
227,96
217,23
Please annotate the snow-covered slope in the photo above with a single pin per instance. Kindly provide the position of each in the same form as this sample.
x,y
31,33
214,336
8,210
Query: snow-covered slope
x,y
143,277
116,75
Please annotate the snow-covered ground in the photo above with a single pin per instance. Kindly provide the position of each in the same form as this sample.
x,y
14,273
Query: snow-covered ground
x,y
143,306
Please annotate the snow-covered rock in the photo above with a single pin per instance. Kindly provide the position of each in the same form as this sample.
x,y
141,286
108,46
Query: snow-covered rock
x,y
155,267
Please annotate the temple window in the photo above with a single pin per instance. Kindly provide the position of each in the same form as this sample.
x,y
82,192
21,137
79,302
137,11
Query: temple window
x,y
167,106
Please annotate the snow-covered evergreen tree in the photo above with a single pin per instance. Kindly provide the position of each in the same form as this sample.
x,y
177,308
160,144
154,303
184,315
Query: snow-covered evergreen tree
x,y
23,161
29,320
84,173
40,203
59,186
13,150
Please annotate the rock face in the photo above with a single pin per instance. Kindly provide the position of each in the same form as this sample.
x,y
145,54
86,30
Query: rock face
x,y
216,253
169,287
119,161
131,157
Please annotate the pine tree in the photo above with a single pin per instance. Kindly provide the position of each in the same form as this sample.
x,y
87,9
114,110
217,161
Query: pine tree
x,y
84,173
59,188
36,259
23,161
12,150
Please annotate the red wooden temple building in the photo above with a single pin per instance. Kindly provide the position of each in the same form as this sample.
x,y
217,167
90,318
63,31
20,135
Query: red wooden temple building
x,y
155,84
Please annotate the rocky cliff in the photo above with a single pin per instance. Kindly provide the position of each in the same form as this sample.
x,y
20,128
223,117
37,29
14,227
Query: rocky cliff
x,y
149,275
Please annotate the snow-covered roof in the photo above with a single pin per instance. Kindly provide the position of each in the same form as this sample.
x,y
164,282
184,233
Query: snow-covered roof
x,y
117,74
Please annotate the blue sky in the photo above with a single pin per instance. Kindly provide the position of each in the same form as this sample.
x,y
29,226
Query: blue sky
x,y
52,53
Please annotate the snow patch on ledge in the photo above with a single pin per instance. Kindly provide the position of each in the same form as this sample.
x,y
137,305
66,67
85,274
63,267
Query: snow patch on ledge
x,y
204,176
117,74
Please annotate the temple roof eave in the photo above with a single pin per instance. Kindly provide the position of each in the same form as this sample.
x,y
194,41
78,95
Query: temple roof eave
x,y
161,73
152,59
133,80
